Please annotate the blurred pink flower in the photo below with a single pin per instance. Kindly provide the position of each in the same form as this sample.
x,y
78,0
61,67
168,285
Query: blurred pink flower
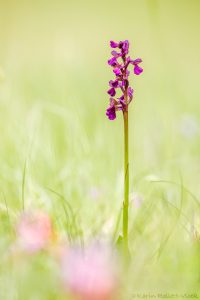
x,y
90,274
34,231
95,193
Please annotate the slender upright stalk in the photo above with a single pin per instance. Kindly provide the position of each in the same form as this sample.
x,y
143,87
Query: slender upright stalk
x,y
126,182
120,62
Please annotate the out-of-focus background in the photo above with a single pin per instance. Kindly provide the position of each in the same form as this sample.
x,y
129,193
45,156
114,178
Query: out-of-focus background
x,y
56,142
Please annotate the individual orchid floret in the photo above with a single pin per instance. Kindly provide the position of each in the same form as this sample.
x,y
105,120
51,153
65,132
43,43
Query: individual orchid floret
x,y
113,44
124,46
121,98
111,112
114,83
120,63
112,62
138,70
130,92
111,92
117,71
136,61
116,54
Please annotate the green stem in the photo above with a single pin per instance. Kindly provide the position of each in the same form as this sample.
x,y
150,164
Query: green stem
x,y
126,182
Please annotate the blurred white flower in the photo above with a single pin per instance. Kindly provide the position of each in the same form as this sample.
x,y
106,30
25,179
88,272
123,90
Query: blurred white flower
x,y
189,126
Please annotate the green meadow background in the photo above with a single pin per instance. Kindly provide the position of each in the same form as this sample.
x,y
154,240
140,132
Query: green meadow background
x,y
59,152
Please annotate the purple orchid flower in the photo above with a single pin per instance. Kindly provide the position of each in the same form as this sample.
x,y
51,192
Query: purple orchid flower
x,y
137,70
111,92
130,92
113,62
116,54
113,44
111,112
120,61
114,83
117,71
